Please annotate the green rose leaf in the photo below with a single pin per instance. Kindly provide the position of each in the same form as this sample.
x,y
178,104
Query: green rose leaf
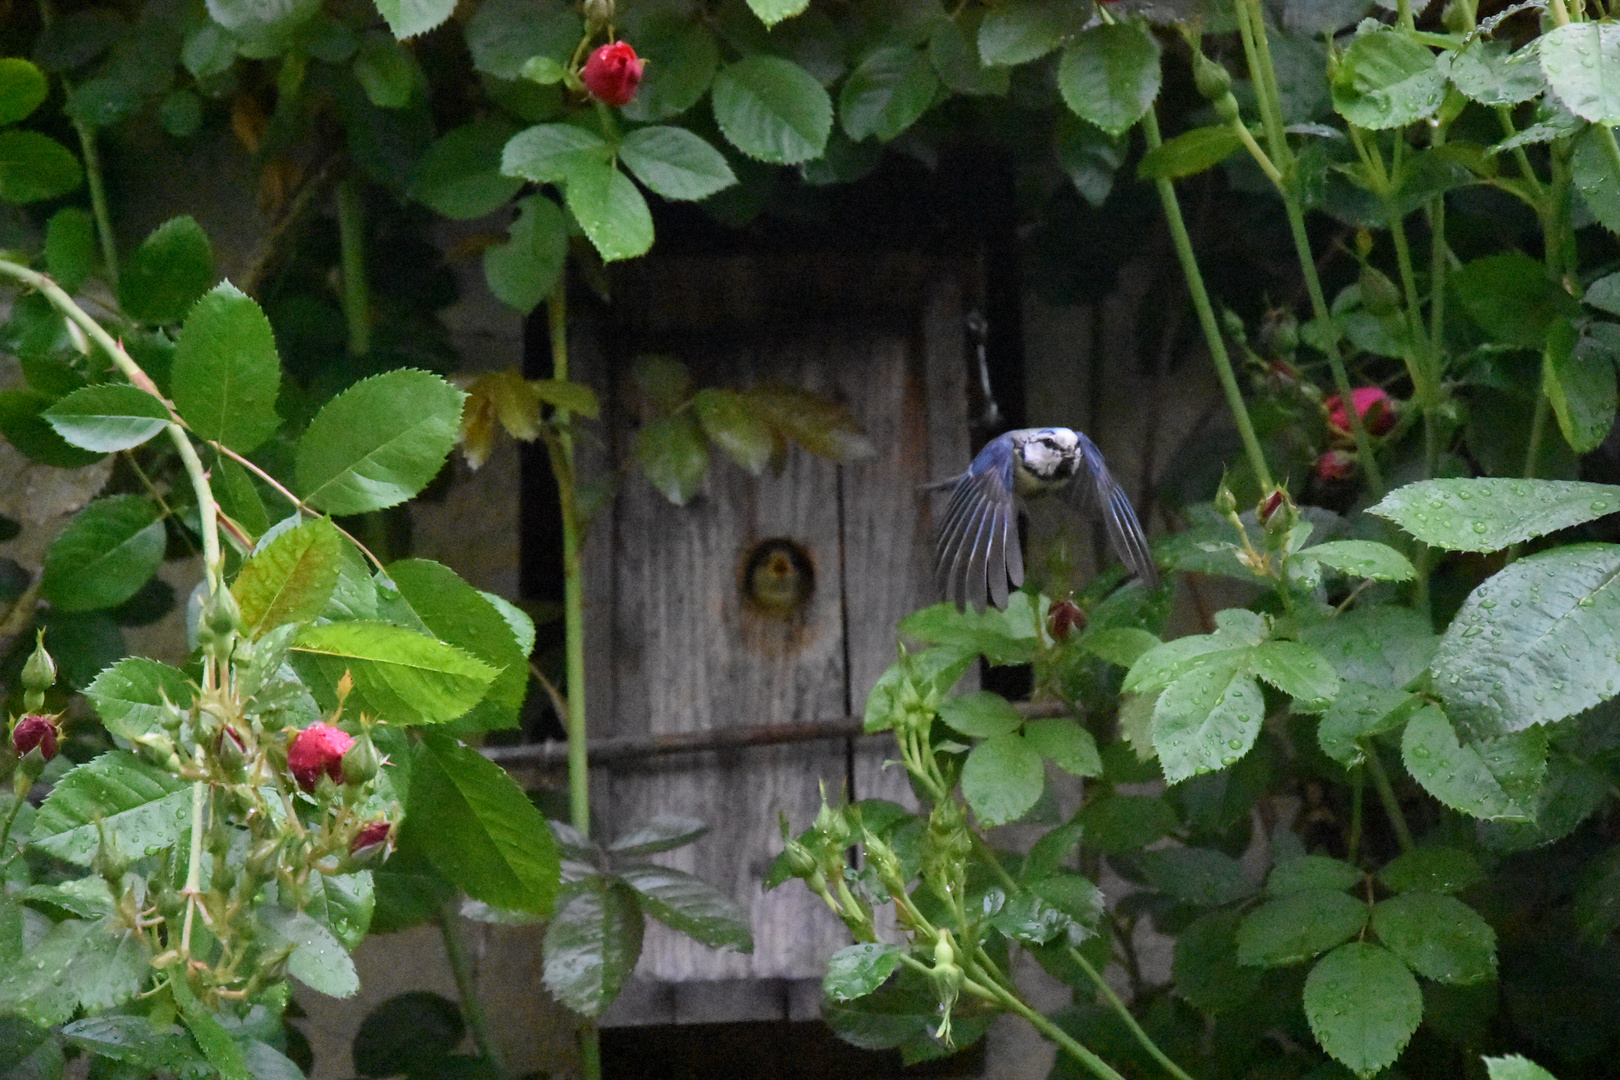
x,y
1579,60
1297,926
22,89
1016,33
1578,377
735,428
1387,79
460,175
675,163
1511,298
1493,778
592,945
1433,870
1189,153
379,442
1066,744
612,212
478,828
1439,937
107,417
129,696
771,12
290,579
673,455
690,905
525,269
1515,1067
856,970
34,167
107,552
318,959
460,615
1362,559
407,18
1002,778
226,374
146,807
1488,514
171,269
1110,75
1363,1005
1535,642
886,93
400,676
1206,720
980,714
70,247
772,110
551,153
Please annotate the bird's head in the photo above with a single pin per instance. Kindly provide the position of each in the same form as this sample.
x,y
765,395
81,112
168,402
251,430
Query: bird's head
x,y
1050,454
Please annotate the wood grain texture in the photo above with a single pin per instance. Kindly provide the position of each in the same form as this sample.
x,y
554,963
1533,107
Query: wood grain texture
x,y
674,646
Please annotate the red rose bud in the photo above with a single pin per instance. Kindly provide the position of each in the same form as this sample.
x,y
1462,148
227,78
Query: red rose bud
x,y
1271,505
35,732
1064,618
612,73
373,842
1372,405
1335,465
317,749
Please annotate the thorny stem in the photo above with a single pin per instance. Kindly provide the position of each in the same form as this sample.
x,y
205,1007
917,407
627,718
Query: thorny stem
x,y
1125,1014
98,202
1206,313
206,507
1392,806
298,504
193,889
579,775
455,948
356,287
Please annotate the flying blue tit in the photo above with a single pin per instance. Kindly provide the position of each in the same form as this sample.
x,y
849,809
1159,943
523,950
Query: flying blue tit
x,y
978,551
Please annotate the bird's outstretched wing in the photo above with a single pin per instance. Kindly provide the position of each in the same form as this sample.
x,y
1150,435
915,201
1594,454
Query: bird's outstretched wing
x,y
1095,489
978,551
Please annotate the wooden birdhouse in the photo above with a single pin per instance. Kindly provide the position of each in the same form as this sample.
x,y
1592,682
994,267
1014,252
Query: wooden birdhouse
x,y
732,641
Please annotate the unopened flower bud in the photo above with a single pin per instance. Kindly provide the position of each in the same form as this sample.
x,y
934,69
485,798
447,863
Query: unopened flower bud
x,y
230,750
612,73
1335,465
1064,618
361,761
1378,293
373,843
35,736
1225,501
1213,81
1226,107
1371,403
832,824
222,613
1270,505
598,13
947,978
317,751
39,673
799,859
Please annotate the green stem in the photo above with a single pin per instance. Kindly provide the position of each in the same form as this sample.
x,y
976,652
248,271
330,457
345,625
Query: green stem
x,y
455,948
98,202
1118,1006
1538,428
1353,846
1206,313
207,509
1063,1039
1320,309
1386,795
193,888
1257,52
356,287
579,774
579,779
